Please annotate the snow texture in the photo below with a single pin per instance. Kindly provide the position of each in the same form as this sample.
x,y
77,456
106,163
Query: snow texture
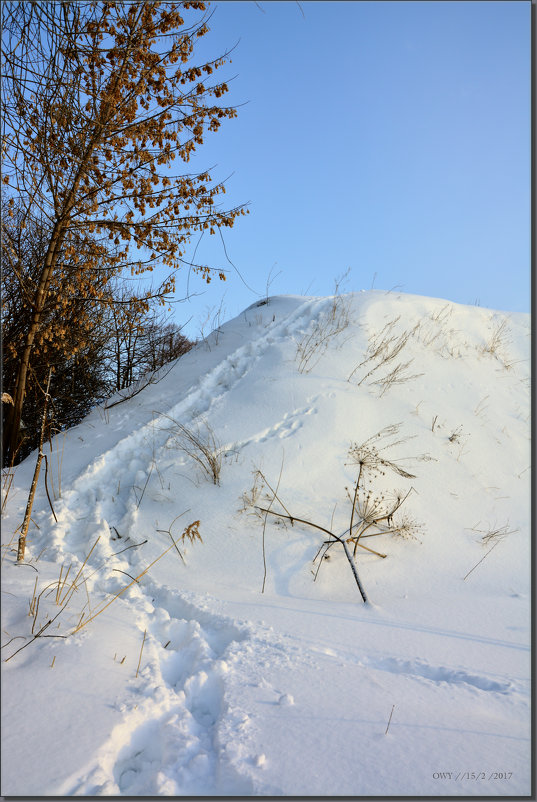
x,y
240,666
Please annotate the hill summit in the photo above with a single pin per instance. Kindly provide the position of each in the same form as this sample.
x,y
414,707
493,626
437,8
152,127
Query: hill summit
x,y
295,562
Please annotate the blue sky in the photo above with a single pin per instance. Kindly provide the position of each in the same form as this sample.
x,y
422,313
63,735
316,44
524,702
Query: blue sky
x,y
389,139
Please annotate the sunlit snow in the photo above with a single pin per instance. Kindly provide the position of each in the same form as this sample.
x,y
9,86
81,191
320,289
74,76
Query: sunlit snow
x,y
248,663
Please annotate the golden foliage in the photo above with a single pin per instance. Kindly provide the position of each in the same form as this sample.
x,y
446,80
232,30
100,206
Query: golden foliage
x,y
99,99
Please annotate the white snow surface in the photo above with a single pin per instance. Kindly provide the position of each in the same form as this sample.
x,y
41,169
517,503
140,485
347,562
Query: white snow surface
x,y
196,680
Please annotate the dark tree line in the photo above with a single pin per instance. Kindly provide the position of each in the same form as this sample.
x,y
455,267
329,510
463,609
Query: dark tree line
x,y
93,344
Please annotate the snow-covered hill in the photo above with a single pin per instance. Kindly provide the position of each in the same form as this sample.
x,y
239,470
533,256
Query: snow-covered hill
x,y
248,663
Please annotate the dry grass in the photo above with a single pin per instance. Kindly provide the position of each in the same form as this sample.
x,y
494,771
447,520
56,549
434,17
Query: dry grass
x,y
399,375
323,330
200,444
383,349
65,591
498,339
494,533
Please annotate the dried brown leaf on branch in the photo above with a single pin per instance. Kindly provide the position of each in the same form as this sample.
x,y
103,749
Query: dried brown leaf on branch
x,y
98,100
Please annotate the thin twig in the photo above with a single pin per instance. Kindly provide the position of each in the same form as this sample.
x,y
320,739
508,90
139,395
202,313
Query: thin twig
x,y
134,546
389,720
38,635
126,574
141,650
46,487
169,532
274,496
482,558
144,487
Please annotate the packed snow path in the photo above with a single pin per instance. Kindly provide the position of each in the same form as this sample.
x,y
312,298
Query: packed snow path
x,y
193,682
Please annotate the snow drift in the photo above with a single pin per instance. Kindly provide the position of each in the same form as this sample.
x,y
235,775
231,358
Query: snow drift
x,y
138,660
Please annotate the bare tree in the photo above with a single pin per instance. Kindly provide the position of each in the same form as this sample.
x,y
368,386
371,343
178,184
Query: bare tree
x,y
141,341
99,98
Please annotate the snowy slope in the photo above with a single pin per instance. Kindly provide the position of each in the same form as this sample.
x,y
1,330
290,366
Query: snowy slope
x,y
196,679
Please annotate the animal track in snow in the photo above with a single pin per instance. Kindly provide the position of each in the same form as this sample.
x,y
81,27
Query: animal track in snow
x,y
286,427
192,644
170,740
128,463
420,669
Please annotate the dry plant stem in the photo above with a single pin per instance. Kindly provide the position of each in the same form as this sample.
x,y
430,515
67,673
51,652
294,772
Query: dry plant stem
x,y
368,452
119,571
15,637
389,720
144,381
481,560
324,329
293,518
46,487
34,600
380,520
145,485
497,533
169,532
203,449
370,550
386,349
117,595
39,635
396,376
327,531
274,492
72,588
356,487
274,497
141,650
134,546
98,567
87,595
329,543
35,607
6,486
26,522
35,637
61,584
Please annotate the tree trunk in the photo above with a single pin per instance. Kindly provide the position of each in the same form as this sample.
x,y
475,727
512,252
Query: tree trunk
x,y
28,513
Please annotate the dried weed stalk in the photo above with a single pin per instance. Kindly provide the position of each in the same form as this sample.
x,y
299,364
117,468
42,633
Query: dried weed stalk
x,y
322,331
63,596
200,444
372,513
382,350
493,533
190,533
